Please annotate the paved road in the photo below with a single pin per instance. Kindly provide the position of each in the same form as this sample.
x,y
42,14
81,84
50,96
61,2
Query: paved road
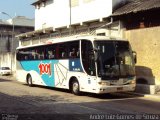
x,y
22,102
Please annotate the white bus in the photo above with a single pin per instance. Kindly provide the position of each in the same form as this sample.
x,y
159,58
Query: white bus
x,y
94,64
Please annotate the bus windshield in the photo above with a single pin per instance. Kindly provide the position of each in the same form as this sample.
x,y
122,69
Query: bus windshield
x,y
114,59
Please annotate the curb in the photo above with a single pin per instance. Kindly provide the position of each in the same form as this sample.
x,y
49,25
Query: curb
x,y
154,96
134,94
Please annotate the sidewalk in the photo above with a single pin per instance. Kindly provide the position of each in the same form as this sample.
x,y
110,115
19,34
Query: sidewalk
x,y
150,96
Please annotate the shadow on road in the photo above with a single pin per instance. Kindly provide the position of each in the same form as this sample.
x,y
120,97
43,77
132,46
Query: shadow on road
x,y
34,108
113,95
122,95
4,80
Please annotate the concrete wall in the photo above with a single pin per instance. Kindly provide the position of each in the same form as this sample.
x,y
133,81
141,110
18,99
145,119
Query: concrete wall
x,y
147,45
6,44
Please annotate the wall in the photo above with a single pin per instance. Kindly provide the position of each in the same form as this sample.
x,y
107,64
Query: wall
x,y
147,45
50,14
57,14
6,44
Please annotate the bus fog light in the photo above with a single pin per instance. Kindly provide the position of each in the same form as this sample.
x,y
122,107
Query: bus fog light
x,y
103,83
133,82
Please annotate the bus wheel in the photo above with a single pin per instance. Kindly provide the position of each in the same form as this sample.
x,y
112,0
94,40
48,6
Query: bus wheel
x,y
75,87
29,80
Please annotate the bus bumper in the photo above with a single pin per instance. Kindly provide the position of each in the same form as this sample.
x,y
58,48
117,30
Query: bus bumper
x,y
112,89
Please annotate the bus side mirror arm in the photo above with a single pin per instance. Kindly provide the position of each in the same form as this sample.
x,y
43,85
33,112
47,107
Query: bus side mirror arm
x,y
95,49
134,56
96,58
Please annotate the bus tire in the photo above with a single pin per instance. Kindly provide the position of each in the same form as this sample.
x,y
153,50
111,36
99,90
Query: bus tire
x,y
29,80
75,87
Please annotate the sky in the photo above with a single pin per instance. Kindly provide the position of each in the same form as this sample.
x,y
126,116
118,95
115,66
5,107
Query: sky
x,y
16,8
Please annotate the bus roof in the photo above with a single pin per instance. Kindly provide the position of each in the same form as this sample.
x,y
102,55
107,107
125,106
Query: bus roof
x,y
73,38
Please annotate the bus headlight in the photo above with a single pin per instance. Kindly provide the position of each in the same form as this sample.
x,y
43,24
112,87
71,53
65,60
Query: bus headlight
x,y
103,83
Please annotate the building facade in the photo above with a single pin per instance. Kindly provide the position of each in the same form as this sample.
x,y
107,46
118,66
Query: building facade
x,y
59,13
54,18
8,42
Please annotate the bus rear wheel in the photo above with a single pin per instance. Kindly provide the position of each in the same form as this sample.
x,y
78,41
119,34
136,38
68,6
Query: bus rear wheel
x,y
29,80
75,87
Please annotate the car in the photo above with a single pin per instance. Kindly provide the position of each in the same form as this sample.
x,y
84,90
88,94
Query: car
x,y
5,71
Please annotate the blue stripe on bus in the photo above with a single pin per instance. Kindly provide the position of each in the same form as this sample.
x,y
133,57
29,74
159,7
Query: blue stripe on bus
x,y
49,80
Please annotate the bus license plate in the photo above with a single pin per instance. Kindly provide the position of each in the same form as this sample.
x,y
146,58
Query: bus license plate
x,y
119,88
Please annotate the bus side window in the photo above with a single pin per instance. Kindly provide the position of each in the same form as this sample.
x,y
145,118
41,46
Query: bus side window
x,y
25,55
30,54
33,54
88,57
36,54
40,53
73,53
74,49
50,52
78,53
62,51
63,54
20,55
